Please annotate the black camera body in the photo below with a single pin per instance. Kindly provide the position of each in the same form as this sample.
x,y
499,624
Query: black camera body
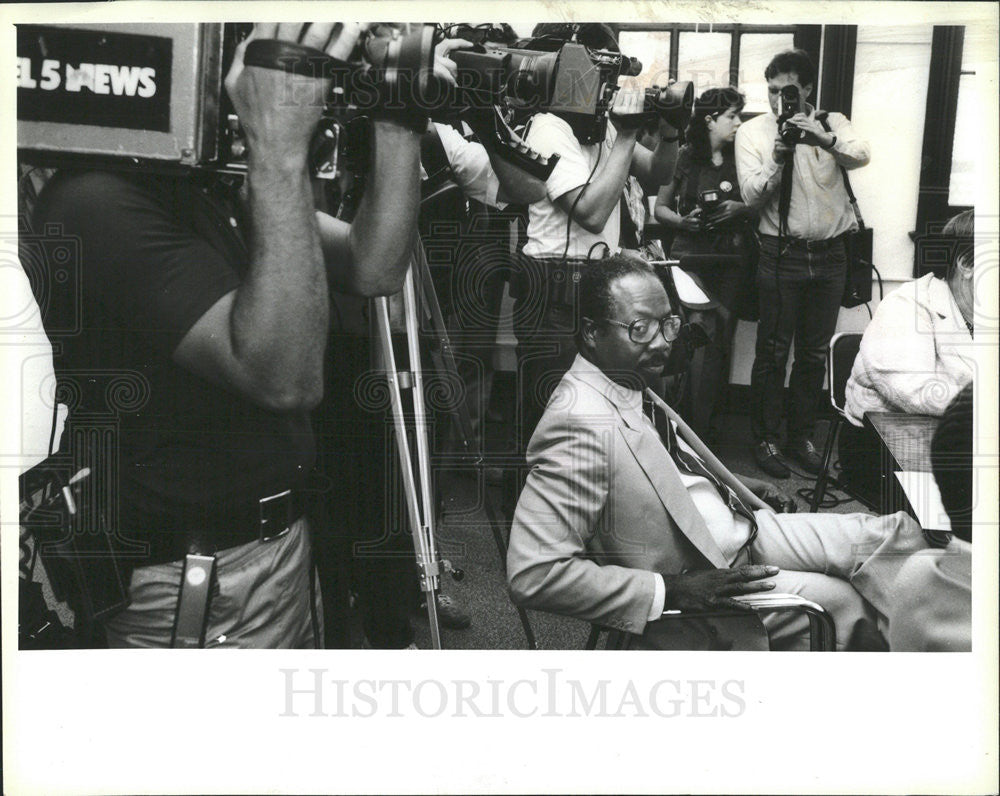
x,y
709,201
151,96
574,82
788,106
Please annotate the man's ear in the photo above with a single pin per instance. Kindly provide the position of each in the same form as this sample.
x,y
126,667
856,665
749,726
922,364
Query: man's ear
x,y
807,92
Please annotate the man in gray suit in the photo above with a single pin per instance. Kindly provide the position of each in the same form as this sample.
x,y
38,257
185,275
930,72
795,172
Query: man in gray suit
x,y
626,513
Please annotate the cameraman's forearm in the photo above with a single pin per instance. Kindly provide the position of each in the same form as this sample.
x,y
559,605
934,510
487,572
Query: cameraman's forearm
x,y
516,186
381,237
280,313
658,166
758,174
849,150
604,191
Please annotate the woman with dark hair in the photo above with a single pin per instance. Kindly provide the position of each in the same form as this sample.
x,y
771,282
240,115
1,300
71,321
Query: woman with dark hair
x,y
702,204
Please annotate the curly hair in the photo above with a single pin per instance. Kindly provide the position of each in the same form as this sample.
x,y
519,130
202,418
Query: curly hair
x,y
712,102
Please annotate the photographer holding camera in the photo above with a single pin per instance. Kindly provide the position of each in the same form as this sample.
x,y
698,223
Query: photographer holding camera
x,y
579,219
703,205
220,303
788,163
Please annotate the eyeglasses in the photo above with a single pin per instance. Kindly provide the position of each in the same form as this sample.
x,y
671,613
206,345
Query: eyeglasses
x,y
643,330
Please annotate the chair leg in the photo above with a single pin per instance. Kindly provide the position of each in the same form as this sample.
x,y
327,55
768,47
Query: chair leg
x,y
819,490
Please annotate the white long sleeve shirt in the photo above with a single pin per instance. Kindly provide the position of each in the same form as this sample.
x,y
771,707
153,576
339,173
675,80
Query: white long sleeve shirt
x,y
820,208
916,354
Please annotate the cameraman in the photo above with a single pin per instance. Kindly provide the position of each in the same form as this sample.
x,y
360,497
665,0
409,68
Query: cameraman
x,y
803,263
578,219
222,306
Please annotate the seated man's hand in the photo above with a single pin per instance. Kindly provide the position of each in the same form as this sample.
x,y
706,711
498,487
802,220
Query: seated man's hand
x,y
279,110
714,589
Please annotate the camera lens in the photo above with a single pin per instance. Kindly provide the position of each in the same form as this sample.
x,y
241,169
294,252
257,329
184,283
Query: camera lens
x,y
672,103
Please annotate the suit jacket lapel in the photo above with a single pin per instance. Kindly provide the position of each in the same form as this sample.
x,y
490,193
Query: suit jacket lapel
x,y
662,474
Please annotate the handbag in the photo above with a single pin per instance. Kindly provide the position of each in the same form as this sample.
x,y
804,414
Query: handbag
x,y
858,247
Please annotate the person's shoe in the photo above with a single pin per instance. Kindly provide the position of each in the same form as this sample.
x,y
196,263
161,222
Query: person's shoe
x,y
767,457
450,613
804,452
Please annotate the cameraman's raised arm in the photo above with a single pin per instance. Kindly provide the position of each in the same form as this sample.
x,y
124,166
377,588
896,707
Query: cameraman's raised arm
x,y
369,257
265,340
604,190
758,164
655,167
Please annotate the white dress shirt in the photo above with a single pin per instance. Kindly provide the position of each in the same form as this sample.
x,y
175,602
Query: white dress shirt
x,y
470,166
820,208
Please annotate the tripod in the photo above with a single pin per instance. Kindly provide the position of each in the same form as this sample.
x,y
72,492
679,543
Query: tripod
x,y
416,472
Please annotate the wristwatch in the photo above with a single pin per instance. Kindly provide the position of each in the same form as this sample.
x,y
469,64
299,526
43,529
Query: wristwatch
x,y
832,144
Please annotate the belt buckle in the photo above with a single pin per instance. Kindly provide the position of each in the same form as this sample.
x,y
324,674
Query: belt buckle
x,y
815,245
275,515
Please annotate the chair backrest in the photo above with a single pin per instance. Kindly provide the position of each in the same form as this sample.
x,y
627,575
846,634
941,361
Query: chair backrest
x,y
843,351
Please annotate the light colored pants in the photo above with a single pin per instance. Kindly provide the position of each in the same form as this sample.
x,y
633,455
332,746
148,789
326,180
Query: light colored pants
x,y
261,601
848,563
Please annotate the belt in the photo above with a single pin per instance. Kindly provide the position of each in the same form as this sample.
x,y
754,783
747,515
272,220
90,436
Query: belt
x,y
806,245
260,520
557,278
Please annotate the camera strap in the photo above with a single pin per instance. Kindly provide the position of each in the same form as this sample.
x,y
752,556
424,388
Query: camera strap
x,y
847,180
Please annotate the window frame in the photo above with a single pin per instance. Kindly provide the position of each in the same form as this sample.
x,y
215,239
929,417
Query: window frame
x,y
806,37
940,114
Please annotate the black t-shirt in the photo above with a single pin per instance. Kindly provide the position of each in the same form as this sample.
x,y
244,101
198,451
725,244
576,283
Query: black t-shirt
x,y
692,177
148,256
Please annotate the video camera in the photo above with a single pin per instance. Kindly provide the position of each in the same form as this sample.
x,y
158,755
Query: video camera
x,y
788,106
153,96
574,82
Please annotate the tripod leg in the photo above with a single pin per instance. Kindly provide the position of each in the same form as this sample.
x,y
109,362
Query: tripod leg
x,y
444,361
426,562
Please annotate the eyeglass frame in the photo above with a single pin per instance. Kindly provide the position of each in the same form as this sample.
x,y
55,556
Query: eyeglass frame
x,y
660,322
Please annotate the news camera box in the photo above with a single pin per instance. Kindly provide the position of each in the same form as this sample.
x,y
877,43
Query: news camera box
x,y
144,91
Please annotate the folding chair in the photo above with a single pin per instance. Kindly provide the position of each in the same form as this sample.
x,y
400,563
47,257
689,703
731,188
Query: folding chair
x,y
840,358
719,631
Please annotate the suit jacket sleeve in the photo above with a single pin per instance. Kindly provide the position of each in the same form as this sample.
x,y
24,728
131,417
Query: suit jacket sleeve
x,y
558,515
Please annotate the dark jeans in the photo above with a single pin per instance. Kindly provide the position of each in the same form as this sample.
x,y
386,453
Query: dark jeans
x,y
710,363
800,300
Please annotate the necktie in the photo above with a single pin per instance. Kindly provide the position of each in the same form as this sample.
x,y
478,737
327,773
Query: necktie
x,y
693,465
